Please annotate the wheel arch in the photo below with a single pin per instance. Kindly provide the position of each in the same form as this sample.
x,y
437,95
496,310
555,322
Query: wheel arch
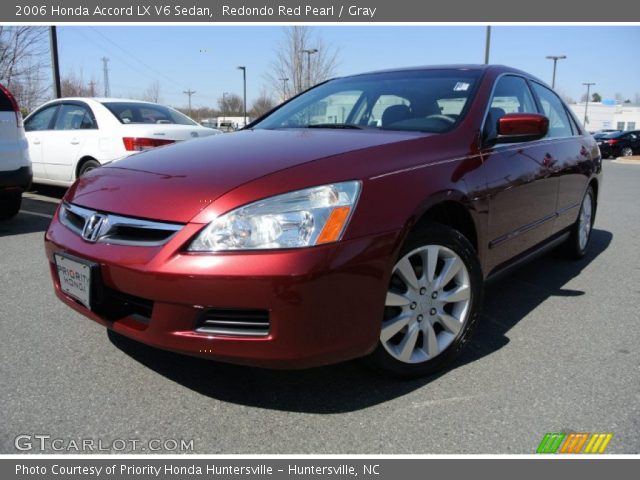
x,y
81,162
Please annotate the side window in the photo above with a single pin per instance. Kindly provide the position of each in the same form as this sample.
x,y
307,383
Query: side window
x,y
40,120
74,117
552,107
511,95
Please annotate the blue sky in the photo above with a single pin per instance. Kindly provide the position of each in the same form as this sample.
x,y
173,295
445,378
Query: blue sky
x,y
204,59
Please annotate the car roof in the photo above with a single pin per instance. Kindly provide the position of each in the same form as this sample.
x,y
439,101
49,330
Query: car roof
x,y
98,100
620,134
473,67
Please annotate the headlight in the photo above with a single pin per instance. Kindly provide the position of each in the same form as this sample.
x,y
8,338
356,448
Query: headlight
x,y
297,219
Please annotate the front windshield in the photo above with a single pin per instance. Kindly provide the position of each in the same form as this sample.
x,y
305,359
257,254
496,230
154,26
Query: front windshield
x,y
417,100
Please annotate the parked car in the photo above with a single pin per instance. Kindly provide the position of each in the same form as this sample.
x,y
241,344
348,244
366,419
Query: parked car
x,y
212,126
70,136
15,167
620,144
599,135
316,236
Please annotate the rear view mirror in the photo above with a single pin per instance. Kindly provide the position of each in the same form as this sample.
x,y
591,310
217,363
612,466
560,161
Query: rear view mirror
x,y
521,127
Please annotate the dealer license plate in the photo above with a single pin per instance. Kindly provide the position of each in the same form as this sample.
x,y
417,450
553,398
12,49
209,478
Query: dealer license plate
x,y
75,278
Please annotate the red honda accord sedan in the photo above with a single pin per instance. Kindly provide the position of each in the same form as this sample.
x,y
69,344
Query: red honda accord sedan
x,y
359,219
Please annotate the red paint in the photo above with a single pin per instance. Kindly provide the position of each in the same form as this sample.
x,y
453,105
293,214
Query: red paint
x,y
325,302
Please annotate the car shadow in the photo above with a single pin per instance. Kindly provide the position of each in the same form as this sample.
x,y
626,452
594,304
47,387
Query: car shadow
x,y
34,216
350,386
35,213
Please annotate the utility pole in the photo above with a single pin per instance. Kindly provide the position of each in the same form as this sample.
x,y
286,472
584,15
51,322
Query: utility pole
x,y
244,97
189,93
309,52
105,69
487,45
224,106
586,104
92,88
555,59
55,65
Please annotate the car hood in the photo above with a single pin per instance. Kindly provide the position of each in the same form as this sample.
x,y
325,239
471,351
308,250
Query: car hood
x,y
176,182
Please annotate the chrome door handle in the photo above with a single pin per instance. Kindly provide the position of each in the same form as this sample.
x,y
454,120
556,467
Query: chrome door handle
x,y
75,141
36,141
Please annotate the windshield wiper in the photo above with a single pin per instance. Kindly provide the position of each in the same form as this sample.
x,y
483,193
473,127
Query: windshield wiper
x,y
348,126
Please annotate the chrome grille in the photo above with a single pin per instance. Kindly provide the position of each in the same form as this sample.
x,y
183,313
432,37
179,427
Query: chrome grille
x,y
115,229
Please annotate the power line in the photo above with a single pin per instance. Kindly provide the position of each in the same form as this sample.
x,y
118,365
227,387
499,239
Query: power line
x,y
141,62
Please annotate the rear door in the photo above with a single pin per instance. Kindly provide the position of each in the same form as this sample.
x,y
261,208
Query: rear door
x,y
572,159
521,185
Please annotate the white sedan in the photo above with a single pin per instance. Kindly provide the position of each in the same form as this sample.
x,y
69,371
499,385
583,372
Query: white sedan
x,y
70,136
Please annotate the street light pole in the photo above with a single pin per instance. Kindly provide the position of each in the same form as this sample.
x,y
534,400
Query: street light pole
x,y
309,52
555,59
586,104
244,96
487,45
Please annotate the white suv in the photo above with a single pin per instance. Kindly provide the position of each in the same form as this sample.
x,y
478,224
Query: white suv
x,y
15,166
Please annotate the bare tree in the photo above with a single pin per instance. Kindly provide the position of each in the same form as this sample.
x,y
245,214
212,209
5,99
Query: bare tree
x,y
152,93
73,85
23,62
294,70
261,105
231,105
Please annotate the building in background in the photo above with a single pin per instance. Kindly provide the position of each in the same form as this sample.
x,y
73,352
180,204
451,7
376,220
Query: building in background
x,y
608,114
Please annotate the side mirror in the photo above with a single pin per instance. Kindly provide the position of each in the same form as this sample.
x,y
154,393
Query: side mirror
x,y
521,127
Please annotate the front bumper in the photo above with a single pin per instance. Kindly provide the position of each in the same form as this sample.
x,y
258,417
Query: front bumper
x,y
325,303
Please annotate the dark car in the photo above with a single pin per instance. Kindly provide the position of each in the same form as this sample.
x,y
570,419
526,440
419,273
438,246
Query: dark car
x,y
359,219
620,144
603,133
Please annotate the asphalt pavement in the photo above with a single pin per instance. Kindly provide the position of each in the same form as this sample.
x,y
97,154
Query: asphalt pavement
x,y
557,351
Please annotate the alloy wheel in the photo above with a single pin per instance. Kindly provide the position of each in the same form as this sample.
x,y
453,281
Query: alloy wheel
x,y
427,304
585,220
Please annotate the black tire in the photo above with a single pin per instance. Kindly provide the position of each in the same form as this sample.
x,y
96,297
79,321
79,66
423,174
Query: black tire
x,y
626,152
10,204
574,247
440,236
87,166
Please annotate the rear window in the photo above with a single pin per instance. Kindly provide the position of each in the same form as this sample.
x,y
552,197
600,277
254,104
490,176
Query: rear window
x,y
146,113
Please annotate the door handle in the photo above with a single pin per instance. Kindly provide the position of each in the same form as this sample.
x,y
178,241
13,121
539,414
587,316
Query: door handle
x,y
36,141
75,141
